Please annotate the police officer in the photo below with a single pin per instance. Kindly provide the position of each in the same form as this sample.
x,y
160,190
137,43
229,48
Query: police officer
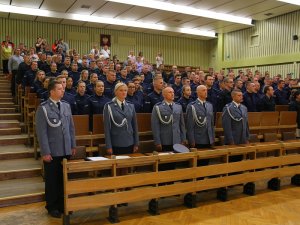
x,y
267,102
120,124
56,136
186,97
155,96
109,84
98,100
134,97
167,122
29,75
82,100
224,96
235,122
200,122
91,86
67,96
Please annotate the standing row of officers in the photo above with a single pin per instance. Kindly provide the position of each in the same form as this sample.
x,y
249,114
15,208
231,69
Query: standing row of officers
x,y
56,133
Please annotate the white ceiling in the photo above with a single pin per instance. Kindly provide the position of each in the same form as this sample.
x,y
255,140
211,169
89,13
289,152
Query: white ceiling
x,y
255,9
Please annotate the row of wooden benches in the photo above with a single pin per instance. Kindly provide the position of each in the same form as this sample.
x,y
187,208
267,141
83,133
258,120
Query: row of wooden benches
x,y
110,188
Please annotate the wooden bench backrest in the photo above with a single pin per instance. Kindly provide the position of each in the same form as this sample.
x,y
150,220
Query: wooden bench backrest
x,y
280,108
98,127
269,119
81,124
144,122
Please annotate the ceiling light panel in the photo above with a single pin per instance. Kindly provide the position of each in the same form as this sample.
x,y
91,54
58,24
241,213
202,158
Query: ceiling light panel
x,y
186,10
294,2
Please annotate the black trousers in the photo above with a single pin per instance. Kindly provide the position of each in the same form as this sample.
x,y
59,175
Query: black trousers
x,y
202,162
54,185
13,82
5,66
122,150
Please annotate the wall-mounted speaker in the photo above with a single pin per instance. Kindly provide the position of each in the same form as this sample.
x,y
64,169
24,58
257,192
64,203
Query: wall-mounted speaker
x,y
295,37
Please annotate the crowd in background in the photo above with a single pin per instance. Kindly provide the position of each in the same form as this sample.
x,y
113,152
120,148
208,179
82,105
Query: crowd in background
x,y
91,78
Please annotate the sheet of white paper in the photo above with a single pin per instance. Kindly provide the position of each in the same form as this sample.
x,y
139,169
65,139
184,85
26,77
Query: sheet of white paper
x,y
166,153
122,157
99,158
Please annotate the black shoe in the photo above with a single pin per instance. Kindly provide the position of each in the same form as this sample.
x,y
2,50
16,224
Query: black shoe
x,y
55,213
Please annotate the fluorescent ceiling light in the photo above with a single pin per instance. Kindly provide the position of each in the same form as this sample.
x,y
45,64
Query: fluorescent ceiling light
x,y
294,2
102,20
165,6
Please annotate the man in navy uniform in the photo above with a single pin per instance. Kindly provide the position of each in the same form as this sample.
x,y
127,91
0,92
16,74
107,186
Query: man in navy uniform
x,y
56,136
109,84
224,96
167,122
69,98
235,120
200,122
155,96
281,94
267,102
82,99
29,75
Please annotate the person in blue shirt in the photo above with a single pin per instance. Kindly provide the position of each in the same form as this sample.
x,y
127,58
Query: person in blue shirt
x,y
155,96
134,97
109,84
37,86
177,87
98,100
281,95
82,100
69,86
185,97
91,86
29,75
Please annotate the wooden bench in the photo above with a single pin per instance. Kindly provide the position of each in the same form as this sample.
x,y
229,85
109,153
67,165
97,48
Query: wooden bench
x,y
116,189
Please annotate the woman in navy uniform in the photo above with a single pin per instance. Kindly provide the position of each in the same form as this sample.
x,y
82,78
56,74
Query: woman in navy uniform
x,y
134,97
98,100
120,123
91,86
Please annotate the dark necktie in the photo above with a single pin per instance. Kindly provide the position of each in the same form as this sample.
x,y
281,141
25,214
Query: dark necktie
x,y
204,106
239,107
122,106
58,105
171,107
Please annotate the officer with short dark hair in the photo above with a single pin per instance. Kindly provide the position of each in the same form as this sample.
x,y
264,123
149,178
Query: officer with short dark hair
x,y
56,136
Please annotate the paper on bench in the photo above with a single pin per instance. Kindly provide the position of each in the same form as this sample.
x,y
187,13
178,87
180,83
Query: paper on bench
x,y
122,157
99,158
166,153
